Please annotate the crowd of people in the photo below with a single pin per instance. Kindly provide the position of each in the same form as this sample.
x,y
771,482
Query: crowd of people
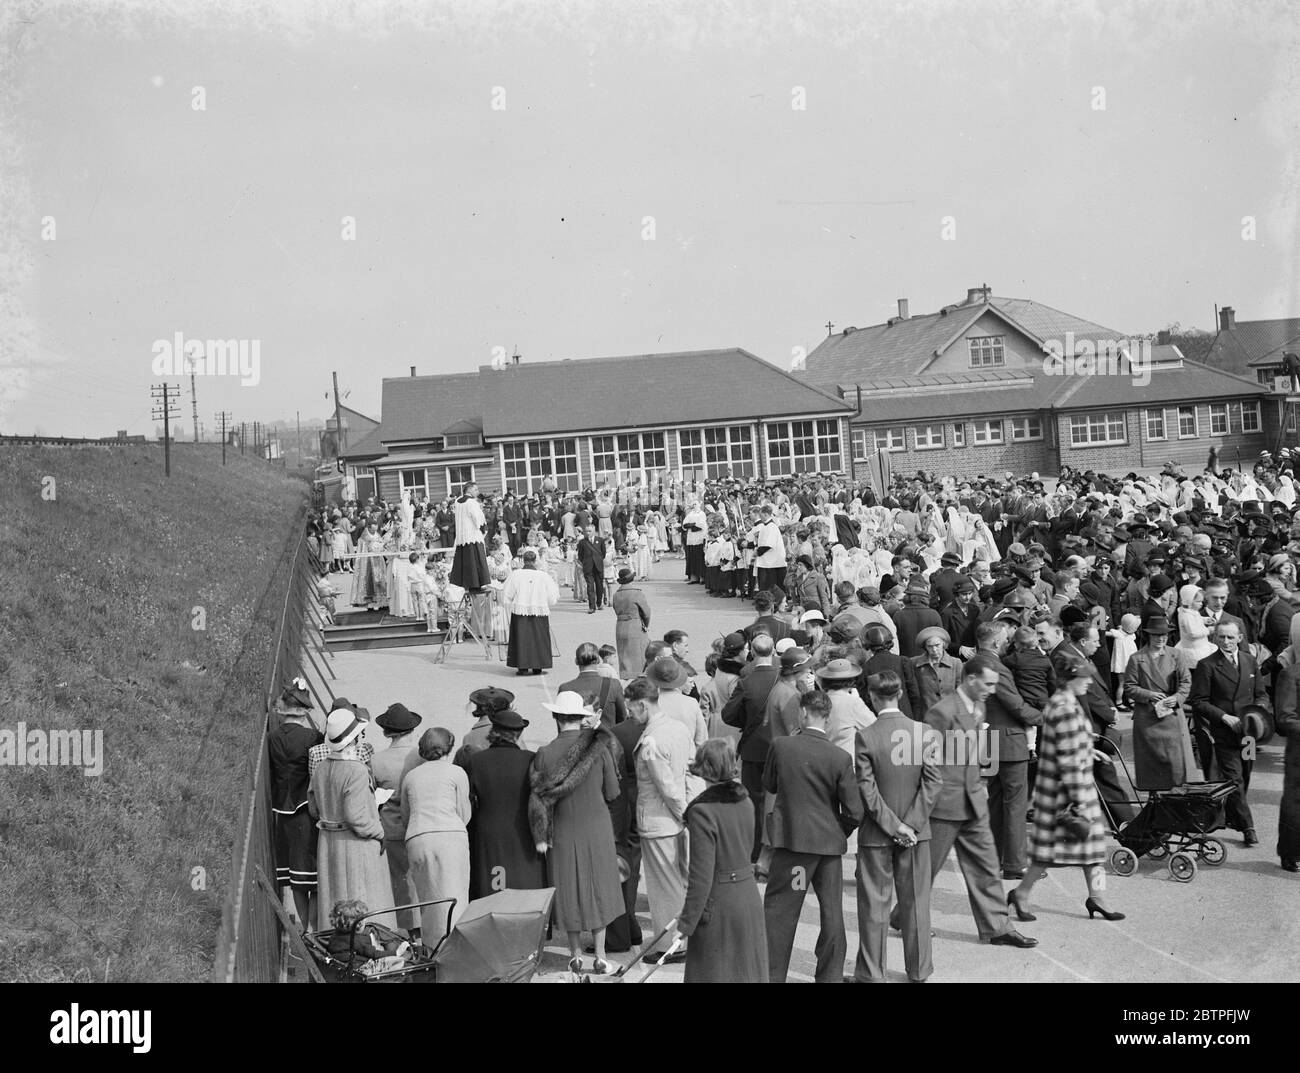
x,y
1029,616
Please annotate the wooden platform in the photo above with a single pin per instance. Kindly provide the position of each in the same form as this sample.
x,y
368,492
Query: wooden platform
x,y
354,630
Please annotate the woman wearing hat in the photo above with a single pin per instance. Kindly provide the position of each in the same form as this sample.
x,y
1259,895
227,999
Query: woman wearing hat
x,y
502,854
350,836
529,595
1067,829
723,911
289,744
849,712
436,812
1157,683
632,626
572,780
390,766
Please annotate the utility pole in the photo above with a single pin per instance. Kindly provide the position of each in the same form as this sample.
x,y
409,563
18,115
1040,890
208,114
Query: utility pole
x,y
340,442
243,433
194,402
165,395
223,417
297,417
257,441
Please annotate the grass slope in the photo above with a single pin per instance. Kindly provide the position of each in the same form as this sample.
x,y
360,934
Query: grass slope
x,y
97,874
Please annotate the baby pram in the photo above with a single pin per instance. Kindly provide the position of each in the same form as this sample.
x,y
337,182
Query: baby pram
x,y
1176,823
418,966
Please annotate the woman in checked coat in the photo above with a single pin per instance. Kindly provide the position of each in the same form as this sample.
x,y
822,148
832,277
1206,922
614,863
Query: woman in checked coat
x,y
723,913
1065,784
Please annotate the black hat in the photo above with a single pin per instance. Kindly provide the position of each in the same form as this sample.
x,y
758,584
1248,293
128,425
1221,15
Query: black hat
x,y
492,697
398,718
626,576
1156,624
1070,614
507,719
295,696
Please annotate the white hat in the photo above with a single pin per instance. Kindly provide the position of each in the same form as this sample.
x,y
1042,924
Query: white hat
x,y
814,615
567,702
342,728
785,644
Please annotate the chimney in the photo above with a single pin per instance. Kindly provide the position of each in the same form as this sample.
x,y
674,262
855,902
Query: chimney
x,y
1162,337
1227,319
902,309
975,295
412,370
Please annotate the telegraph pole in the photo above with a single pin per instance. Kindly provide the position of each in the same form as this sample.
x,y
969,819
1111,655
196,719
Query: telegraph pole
x,y
164,395
297,417
194,402
243,432
340,444
223,417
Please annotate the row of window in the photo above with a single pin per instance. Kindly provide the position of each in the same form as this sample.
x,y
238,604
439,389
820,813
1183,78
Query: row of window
x,y
422,482
1091,429
930,437
703,453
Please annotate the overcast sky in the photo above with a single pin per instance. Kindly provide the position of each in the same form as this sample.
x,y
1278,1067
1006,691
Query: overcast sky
x,y
523,227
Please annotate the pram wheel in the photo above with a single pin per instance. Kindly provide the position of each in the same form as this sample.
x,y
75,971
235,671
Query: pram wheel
x,y
1158,852
1213,851
1182,866
1123,861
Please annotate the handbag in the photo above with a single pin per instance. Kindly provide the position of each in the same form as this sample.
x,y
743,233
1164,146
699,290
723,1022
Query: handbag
x,y
1076,825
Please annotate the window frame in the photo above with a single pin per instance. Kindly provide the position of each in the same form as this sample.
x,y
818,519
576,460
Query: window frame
x,y
823,447
1195,434
736,439
858,436
1257,413
1226,415
1093,418
987,424
959,433
930,429
455,489
423,486
1164,425
996,348
530,481
1028,437
891,446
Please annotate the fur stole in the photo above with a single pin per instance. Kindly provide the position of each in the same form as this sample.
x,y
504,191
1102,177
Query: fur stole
x,y
560,781
721,793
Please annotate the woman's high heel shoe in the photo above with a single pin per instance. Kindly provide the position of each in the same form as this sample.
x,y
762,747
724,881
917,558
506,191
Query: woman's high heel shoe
x,y
1106,914
1014,903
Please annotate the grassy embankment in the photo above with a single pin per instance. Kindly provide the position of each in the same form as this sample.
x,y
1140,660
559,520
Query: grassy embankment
x,y
97,874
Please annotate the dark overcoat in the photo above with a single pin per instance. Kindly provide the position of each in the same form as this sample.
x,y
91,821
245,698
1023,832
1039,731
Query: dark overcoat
x,y
723,913
501,851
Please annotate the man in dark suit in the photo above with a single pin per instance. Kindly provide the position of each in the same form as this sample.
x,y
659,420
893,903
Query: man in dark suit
x,y
817,806
1223,683
943,580
591,554
745,710
894,838
961,815
1009,716
766,622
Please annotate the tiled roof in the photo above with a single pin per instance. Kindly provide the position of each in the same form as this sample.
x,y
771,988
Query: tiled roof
x,y
419,407
643,390
903,348
1253,343
368,446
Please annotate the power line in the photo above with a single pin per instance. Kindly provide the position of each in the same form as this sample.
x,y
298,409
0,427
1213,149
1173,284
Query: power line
x,y
170,408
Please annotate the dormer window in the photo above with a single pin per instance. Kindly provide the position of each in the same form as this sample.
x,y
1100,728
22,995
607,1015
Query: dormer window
x,y
460,439
985,351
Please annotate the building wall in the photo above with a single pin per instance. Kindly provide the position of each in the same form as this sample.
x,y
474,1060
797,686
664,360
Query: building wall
x,y
1045,456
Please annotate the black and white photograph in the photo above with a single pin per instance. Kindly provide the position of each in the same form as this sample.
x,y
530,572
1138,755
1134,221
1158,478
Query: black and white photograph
x,y
527,492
